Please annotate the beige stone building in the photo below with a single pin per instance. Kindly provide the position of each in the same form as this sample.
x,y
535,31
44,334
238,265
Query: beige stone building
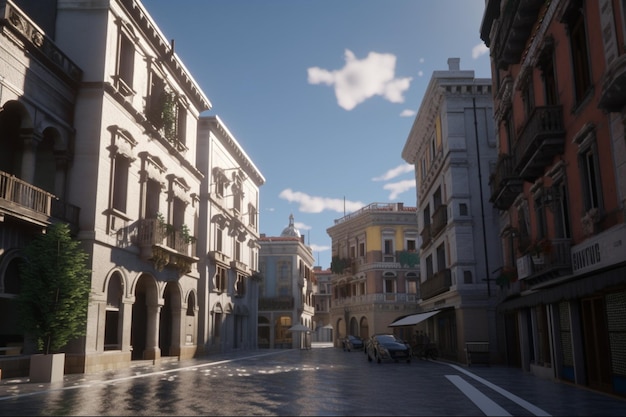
x,y
99,128
286,292
375,270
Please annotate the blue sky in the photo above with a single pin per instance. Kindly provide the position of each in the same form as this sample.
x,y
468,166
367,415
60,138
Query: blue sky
x,y
322,94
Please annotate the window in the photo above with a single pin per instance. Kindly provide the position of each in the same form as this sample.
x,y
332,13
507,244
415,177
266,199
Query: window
x,y
574,19
153,193
411,246
120,182
546,66
219,239
463,209
220,279
156,100
389,285
240,285
590,178
429,266
388,250
467,277
361,248
441,258
251,215
561,213
237,250
528,95
125,64
540,215
509,127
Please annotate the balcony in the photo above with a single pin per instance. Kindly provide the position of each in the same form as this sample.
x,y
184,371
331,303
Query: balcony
x,y
439,283
516,24
440,219
376,298
408,258
541,139
505,184
613,96
26,202
541,267
166,246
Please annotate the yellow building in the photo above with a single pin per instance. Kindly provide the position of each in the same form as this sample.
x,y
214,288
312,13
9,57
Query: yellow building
x,y
375,270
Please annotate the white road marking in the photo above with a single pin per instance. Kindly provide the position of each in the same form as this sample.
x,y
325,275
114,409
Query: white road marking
x,y
517,400
486,405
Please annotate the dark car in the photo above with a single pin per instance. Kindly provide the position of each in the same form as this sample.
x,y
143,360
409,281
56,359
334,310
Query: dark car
x,y
352,343
387,347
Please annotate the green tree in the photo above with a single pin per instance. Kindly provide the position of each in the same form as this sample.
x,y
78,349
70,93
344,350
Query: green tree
x,y
55,288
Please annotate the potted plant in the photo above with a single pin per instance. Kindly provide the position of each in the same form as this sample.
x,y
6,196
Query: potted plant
x,y
53,298
539,250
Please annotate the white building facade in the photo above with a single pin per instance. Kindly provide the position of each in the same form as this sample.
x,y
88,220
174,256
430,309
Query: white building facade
x,y
229,218
452,146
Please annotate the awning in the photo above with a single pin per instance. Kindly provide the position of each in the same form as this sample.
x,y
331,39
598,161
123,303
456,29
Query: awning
x,y
298,328
413,319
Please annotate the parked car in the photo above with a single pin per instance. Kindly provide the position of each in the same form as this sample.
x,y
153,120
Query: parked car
x,y
352,343
381,347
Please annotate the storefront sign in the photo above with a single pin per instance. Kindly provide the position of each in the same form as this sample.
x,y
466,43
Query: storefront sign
x,y
599,251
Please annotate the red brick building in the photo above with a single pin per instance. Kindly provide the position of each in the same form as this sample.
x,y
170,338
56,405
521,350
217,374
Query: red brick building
x,y
559,73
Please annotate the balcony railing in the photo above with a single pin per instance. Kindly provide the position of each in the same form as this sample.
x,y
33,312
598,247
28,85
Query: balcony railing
x,y
550,264
517,21
30,202
505,184
377,298
541,139
438,284
165,245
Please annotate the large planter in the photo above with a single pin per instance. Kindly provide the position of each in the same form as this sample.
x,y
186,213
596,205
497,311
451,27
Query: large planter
x,y
47,368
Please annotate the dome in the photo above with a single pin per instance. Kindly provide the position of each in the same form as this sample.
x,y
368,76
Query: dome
x,y
290,231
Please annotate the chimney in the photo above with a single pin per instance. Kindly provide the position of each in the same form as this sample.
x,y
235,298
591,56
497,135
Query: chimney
x,y
454,64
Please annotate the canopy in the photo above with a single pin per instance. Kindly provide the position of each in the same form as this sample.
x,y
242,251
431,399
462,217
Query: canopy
x,y
298,328
412,319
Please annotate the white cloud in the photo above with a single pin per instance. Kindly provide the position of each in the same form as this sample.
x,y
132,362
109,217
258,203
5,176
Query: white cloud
x,y
301,226
360,80
408,113
312,204
394,172
479,50
320,248
420,73
399,187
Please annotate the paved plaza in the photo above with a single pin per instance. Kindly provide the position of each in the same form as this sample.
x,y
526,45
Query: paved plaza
x,y
322,381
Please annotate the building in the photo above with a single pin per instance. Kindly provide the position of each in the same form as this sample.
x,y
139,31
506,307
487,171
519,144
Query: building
x,y
452,147
39,85
375,270
229,218
286,291
322,301
558,86
102,130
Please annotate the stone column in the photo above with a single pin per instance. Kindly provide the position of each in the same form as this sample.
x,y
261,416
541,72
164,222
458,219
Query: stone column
x,y
152,350
29,142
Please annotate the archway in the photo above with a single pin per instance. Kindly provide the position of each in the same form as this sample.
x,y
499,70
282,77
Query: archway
x,y
169,321
364,328
145,296
113,318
